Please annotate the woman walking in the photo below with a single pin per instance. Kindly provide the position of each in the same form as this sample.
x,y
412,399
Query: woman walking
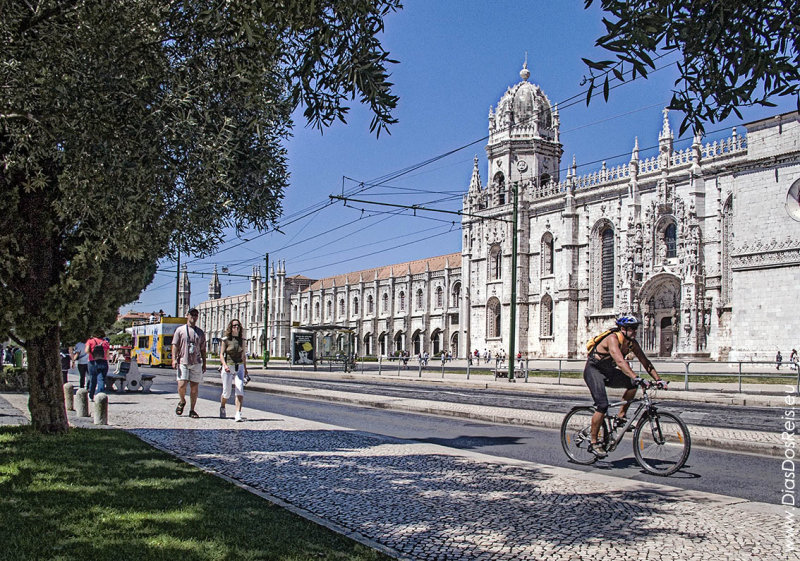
x,y
234,367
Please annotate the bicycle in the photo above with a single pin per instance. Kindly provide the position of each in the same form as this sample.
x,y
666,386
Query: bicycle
x,y
661,441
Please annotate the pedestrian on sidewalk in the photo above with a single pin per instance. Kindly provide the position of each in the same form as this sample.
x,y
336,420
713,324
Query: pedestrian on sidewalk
x,y
66,362
232,353
189,360
793,359
81,358
778,361
97,351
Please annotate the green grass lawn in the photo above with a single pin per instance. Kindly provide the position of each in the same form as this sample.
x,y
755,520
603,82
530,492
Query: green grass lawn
x,y
106,495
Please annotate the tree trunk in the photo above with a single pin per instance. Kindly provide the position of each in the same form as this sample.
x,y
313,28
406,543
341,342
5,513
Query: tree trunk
x,y
46,403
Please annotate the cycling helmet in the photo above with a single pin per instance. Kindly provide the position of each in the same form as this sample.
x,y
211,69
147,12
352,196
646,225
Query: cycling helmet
x,y
628,321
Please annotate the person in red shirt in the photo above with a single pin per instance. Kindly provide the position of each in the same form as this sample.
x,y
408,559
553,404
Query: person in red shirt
x,y
97,349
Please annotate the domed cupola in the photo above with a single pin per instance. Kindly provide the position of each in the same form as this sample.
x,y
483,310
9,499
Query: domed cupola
x,y
524,145
523,112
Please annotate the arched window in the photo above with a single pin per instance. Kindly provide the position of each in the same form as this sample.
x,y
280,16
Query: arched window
x,y
341,307
385,303
546,319
402,301
669,239
305,312
500,185
607,269
439,297
370,305
457,294
328,309
493,318
355,305
547,254
316,311
495,263
419,299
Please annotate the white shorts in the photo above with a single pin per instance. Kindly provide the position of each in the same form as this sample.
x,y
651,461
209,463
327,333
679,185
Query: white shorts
x,y
190,372
233,380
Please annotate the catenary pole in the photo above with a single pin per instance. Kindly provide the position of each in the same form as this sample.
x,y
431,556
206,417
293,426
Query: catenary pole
x,y
178,282
266,311
513,326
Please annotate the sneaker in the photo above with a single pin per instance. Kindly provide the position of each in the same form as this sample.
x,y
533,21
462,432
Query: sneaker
x,y
597,449
222,414
238,417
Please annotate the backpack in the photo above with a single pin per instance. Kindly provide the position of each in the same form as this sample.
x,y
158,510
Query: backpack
x,y
98,352
594,341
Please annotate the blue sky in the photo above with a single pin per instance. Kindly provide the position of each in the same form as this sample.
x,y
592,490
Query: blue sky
x,y
456,59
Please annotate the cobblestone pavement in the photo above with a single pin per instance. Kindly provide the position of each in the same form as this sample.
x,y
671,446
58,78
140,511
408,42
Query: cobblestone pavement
x,y
428,502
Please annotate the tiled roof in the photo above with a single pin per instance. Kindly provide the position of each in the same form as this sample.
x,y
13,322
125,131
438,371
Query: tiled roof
x,y
438,263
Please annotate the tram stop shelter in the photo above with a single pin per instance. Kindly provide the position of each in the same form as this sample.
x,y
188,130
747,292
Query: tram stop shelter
x,y
331,343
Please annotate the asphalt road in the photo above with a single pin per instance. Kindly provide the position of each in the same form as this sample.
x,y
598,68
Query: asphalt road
x,y
746,476
731,416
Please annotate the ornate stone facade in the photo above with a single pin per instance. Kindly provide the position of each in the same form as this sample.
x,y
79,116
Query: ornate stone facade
x,y
414,306
696,242
249,309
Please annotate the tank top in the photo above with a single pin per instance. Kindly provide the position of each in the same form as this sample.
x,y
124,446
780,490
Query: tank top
x,y
233,350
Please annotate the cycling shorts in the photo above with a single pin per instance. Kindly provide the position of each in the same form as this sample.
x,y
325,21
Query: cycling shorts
x,y
600,374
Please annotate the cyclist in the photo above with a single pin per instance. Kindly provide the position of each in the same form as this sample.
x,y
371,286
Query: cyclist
x,y
606,366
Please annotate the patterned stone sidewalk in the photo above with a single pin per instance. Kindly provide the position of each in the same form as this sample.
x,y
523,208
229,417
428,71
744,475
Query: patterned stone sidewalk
x,y
427,502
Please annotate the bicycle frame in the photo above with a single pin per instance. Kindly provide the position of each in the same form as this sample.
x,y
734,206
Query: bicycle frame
x,y
616,434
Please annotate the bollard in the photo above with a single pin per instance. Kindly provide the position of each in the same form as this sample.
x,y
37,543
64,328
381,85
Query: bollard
x,y
69,397
82,402
100,409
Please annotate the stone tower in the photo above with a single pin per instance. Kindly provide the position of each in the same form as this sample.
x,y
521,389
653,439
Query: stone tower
x,y
184,293
524,154
214,287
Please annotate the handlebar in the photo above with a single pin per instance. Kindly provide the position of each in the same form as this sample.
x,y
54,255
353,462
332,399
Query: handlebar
x,y
647,384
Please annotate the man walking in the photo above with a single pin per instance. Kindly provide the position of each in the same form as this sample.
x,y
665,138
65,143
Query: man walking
x,y
189,359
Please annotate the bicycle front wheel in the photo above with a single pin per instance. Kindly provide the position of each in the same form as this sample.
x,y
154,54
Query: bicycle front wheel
x,y
661,443
576,435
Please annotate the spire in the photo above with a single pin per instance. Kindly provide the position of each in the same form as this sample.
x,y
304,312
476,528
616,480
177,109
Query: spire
x,y
574,166
185,293
525,73
475,181
666,132
556,123
214,287
635,153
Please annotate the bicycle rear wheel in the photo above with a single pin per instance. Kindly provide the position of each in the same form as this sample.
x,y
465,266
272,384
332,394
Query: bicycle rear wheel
x,y
661,443
576,435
